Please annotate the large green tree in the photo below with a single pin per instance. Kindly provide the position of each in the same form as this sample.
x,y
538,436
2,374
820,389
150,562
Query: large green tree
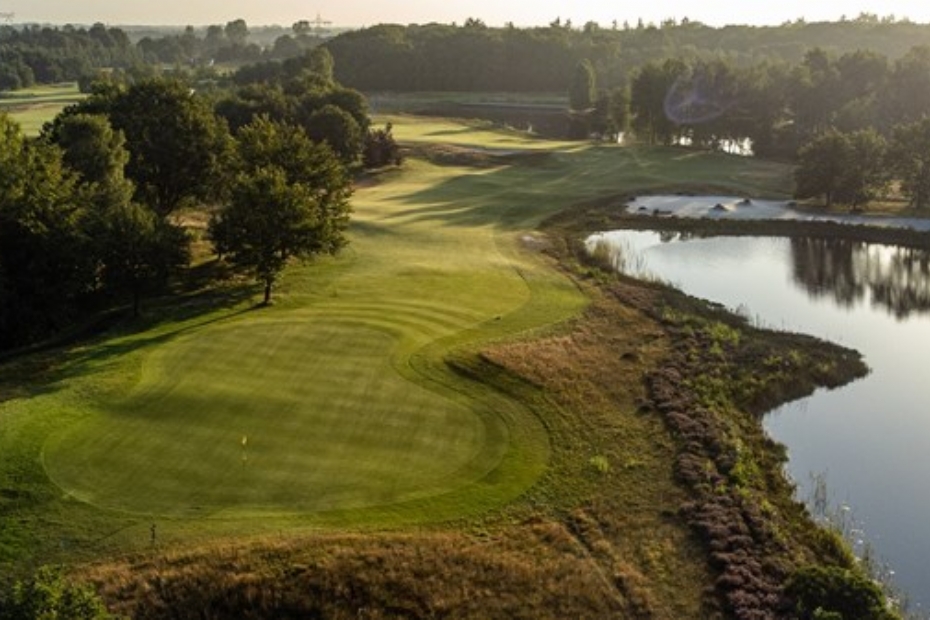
x,y
842,168
649,93
905,97
909,157
134,251
178,146
91,147
867,176
815,94
289,200
822,165
338,129
583,89
46,268
97,154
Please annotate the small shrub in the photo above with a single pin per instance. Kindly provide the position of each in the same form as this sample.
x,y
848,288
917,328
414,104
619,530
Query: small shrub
x,y
46,595
600,464
831,592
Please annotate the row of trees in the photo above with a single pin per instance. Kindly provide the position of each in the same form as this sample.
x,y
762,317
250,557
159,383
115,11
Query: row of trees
x,y
44,54
779,107
474,57
856,124
855,168
89,210
232,42
445,57
47,55
69,232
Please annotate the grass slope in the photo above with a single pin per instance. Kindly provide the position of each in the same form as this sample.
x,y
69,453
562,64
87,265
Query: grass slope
x,y
335,407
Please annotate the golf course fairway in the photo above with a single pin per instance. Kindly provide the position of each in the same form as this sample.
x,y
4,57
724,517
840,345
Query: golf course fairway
x,y
335,406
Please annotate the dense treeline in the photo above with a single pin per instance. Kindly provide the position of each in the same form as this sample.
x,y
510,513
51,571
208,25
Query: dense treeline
x,y
438,57
779,106
89,210
475,57
45,54
233,42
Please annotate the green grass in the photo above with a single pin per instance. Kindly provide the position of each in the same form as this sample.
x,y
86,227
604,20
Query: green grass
x,y
33,107
334,407
284,415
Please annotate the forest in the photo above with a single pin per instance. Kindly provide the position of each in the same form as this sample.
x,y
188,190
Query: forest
x,y
42,54
475,57
437,57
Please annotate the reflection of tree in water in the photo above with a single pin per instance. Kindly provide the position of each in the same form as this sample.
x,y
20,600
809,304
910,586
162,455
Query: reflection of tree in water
x,y
827,268
908,287
897,279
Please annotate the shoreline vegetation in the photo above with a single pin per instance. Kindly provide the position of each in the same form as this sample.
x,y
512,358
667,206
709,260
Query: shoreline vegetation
x,y
662,497
720,378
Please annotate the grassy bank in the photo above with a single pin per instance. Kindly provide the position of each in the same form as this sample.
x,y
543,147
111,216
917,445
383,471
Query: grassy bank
x,y
453,417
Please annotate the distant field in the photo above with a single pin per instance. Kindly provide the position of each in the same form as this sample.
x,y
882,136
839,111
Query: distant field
x,y
544,114
334,407
33,107
393,103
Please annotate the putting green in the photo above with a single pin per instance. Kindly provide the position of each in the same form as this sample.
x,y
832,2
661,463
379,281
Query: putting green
x,y
283,416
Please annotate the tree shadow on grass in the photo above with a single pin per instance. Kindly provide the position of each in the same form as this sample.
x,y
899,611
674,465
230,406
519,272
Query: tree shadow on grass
x,y
487,197
102,342
526,186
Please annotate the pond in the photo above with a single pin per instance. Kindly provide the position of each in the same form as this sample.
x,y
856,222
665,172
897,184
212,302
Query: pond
x,y
870,440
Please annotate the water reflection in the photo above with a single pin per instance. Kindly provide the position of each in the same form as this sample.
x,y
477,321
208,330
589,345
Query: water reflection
x,y
850,273
872,436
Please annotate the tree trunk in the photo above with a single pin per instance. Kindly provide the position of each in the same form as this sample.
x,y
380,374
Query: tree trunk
x,y
135,301
267,293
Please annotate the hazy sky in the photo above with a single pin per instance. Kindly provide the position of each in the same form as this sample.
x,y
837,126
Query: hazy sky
x,y
494,12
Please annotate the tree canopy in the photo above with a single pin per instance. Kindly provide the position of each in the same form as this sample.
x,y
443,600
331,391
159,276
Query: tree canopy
x,y
583,89
178,147
43,266
842,168
909,157
289,200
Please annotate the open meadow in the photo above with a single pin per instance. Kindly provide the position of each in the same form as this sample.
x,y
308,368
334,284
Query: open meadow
x,y
334,411
33,107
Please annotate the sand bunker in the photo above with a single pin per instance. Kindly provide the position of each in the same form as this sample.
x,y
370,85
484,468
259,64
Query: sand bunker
x,y
730,207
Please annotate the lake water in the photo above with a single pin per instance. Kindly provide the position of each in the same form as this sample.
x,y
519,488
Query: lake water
x,y
869,440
